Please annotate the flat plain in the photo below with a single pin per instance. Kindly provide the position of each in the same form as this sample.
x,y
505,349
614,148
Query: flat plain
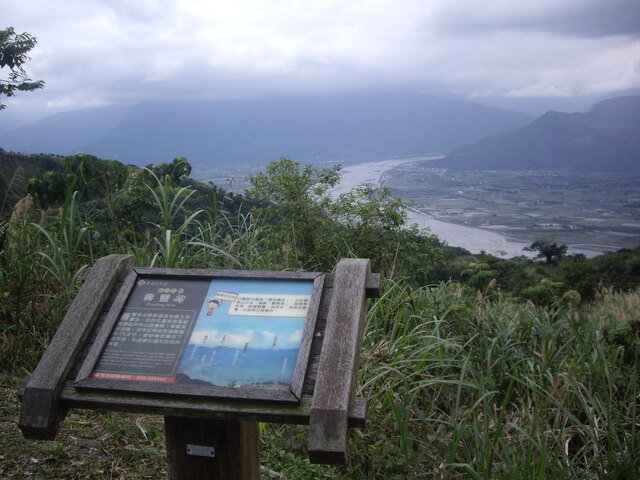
x,y
590,210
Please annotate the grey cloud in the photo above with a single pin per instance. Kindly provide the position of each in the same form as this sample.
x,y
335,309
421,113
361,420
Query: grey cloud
x,y
599,19
118,51
581,18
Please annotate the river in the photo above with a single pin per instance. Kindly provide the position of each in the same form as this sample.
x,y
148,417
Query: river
x,y
473,239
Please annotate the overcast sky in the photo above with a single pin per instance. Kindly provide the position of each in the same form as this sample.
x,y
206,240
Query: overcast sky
x,y
101,52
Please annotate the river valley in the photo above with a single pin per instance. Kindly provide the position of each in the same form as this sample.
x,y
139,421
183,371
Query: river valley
x,y
502,212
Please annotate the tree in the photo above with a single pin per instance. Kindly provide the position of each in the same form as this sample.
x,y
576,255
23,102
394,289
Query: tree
x,y
373,224
177,171
297,203
550,251
14,49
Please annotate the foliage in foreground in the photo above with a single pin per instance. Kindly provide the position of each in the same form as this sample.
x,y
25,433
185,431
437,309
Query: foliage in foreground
x,y
14,53
469,387
464,381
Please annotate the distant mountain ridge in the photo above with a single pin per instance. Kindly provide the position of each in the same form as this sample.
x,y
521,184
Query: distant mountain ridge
x,y
62,133
307,129
607,138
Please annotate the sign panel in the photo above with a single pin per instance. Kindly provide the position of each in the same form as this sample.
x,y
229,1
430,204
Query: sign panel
x,y
152,331
227,334
249,337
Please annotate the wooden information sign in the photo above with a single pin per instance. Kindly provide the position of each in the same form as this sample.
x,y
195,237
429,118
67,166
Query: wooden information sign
x,y
214,352
204,333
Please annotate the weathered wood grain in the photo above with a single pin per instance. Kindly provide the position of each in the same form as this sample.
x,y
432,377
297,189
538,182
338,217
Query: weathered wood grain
x,y
196,390
170,405
316,345
297,382
203,272
41,412
236,447
372,284
338,367
106,327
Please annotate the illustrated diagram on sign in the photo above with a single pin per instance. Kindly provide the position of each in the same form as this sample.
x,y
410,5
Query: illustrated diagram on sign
x,y
248,333
215,302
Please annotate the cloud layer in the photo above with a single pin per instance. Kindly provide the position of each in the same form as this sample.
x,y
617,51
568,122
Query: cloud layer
x,y
118,51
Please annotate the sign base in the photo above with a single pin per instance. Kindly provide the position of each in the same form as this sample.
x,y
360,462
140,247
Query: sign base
x,y
236,445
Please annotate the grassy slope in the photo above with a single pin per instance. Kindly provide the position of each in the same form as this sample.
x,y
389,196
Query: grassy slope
x,y
462,384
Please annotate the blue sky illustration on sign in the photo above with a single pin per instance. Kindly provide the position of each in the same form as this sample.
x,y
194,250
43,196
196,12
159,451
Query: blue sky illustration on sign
x,y
248,332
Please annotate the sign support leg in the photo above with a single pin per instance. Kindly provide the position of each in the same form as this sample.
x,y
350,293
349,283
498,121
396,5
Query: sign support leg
x,y
235,446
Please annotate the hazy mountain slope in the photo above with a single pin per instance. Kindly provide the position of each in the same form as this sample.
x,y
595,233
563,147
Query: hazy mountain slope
x,y
605,139
64,133
306,129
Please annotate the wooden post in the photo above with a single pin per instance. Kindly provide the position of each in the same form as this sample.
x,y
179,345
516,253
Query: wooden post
x,y
42,413
339,361
203,449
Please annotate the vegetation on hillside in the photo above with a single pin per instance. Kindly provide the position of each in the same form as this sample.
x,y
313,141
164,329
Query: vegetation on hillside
x,y
476,367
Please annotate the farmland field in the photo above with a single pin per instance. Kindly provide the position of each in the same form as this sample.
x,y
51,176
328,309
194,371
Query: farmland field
x,y
597,210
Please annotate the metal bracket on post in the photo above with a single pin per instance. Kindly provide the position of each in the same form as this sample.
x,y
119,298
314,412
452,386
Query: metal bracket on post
x,y
201,450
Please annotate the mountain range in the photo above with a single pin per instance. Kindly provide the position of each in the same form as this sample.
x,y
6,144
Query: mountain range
x,y
607,138
344,128
256,131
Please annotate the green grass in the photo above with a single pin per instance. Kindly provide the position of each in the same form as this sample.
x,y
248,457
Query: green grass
x,y
462,384
467,387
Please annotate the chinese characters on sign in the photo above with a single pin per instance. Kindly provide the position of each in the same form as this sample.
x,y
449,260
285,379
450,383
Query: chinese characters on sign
x,y
225,332
151,334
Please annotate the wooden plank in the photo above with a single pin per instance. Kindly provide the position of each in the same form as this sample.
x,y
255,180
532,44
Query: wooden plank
x,y
339,360
235,447
183,389
169,405
107,326
372,284
316,346
297,382
203,272
41,412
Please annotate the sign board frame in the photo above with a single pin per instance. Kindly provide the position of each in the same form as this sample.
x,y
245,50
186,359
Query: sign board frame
x,y
292,394
328,403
